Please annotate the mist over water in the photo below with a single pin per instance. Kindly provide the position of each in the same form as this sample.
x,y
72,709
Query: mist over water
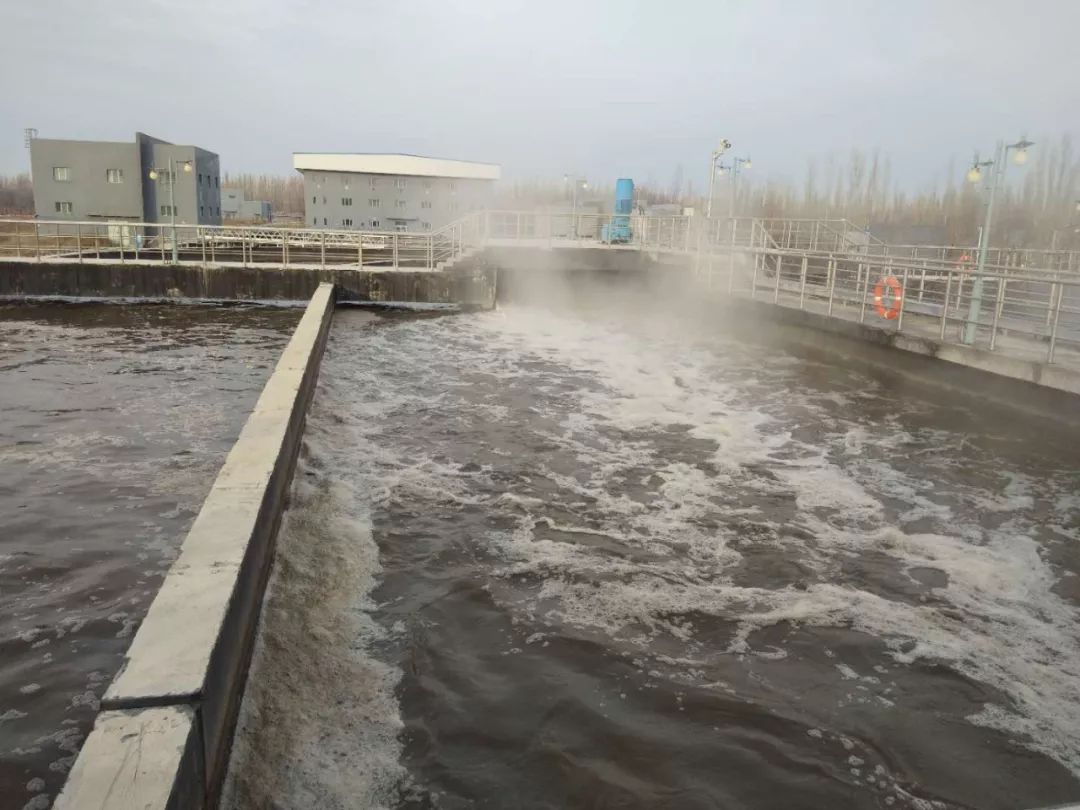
x,y
625,559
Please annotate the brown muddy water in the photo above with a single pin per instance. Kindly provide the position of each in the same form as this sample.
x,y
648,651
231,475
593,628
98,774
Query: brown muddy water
x,y
597,557
113,422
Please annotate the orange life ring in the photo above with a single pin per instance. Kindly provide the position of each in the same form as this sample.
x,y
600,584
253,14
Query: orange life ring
x,y
964,263
893,311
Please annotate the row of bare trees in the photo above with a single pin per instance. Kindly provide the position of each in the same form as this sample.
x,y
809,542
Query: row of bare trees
x,y
16,195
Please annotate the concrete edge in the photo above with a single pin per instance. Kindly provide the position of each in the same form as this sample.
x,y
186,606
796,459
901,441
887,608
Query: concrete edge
x,y
192,650
1038,388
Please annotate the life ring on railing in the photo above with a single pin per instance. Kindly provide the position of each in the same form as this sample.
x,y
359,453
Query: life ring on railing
x,y
964,262
891,312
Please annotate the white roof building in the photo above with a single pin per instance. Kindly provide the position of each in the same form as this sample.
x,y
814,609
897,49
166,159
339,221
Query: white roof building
x,y
394,164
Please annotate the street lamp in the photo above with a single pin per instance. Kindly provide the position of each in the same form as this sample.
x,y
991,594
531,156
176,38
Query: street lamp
x,y
736,164
577,183
714,167
156,173
997,175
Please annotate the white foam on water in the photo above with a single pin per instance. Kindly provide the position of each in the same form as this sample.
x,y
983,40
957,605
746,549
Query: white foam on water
x,y
638,568
996,620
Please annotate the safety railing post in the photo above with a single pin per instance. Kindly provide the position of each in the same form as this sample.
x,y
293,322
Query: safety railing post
x,y
161,243
865,290
922,281
243,250
396,235
1000,304
945,303
122,245
202,243
758,259
360,253
322,250
1054,326
284,249
37,240
903,300
78,240
779,267
1050,303
802,282
832,283
431,252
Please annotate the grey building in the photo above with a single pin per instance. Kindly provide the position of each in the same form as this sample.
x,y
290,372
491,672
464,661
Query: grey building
x,y
106,180
235,205
391,192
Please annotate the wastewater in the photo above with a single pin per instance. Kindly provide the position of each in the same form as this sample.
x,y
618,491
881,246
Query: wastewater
x,y
113,422
611,553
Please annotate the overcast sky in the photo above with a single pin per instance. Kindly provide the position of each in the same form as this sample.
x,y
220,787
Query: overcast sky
x,y
545,87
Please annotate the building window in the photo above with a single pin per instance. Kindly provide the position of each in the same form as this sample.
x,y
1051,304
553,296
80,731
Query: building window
x,y
200,178
373,202
217,182
425,203
314,220
373,182
427,186
61,174
400,203
347,223
217,211
168,210
345,183
324,221
114,175
346,200
200,211
313,201
324,200
374,223
400,184
63,208
453,188
427,226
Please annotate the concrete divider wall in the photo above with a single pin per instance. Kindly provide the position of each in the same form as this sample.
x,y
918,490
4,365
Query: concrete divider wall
x,y
471,287
162,738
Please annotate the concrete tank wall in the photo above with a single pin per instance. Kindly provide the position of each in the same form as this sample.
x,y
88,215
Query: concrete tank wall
x,y
163,735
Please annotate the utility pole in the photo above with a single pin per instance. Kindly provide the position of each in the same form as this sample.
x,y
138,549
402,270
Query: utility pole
x,y
154,175
997,176
29,134
714,160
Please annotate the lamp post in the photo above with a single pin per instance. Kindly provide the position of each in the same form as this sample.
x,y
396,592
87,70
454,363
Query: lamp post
x,y
155,173
736,164
714,166
576,183
997,175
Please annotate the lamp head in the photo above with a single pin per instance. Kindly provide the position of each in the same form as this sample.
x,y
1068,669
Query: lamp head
x,y
187,167
153,174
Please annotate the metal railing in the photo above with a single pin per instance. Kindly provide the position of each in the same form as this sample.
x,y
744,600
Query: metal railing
x,y
631,231
1025,312
123,241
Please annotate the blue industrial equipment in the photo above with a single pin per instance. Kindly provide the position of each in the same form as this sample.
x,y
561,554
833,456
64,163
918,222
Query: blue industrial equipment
x,y
619,228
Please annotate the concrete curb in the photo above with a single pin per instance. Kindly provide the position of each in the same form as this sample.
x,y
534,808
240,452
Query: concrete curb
x,y
162,739
1037,388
